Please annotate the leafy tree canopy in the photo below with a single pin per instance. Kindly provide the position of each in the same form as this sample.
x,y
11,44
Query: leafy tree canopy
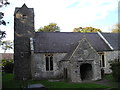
x,y
7,45
86,29
2,22
116,29
52,27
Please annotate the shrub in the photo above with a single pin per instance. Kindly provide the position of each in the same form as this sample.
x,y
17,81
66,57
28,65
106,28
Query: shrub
x,y
115,66
7,66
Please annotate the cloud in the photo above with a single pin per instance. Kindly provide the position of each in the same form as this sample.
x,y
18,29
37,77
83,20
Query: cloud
x,y
68,14
73,4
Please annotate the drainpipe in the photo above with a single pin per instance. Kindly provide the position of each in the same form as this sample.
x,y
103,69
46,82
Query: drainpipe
x,y
32,54
31,45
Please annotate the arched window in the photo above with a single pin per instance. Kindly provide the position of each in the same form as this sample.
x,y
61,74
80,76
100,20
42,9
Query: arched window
x,y
49,62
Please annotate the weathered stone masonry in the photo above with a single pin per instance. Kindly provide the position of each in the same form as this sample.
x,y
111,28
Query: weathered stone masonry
x,y
71,56
23,30
39,66
84,54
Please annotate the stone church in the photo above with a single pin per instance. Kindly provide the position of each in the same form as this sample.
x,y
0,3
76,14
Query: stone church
x,y
70,56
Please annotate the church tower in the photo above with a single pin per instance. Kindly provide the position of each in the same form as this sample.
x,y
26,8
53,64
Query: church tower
x,y
23,31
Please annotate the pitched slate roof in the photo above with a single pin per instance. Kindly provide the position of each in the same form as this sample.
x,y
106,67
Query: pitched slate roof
x,y
113,39
65,41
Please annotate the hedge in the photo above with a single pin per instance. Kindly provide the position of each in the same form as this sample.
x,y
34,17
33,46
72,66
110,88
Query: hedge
x,y
115,66
7,66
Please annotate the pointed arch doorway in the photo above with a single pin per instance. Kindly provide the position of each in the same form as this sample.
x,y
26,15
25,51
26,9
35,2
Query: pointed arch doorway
x,y
86,72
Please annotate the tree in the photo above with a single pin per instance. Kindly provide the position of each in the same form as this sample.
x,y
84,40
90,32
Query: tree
x,y
77,29
86,29
52,27
116,29
2,22
7,66
7,45
115,66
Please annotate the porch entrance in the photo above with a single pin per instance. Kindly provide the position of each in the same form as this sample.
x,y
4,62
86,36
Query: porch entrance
x,y
86,71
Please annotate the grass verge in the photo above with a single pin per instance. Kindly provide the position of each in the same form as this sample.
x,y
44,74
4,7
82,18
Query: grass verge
x,y
9,82
111,80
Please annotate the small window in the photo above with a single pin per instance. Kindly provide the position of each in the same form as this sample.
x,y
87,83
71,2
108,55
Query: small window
x,y
24,17
49,62
118,60
22,54
65,73
103,61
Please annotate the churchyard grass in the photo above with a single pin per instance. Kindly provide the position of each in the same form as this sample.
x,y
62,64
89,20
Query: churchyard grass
x,y
111,80
9,82
109,77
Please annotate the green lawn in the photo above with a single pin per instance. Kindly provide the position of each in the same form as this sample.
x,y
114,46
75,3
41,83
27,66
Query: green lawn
x,y
109,77
70,85
9,82
111,80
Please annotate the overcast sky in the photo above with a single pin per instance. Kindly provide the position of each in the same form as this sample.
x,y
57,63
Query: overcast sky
x,y
68,14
